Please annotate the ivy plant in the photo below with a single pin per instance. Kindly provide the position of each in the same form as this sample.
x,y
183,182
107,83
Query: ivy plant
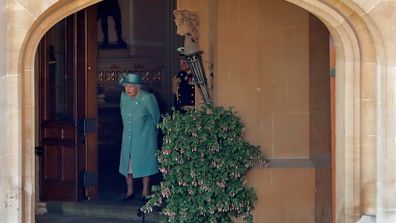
x,y
204,159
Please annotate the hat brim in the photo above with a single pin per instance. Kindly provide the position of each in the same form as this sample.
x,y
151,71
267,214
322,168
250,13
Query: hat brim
x,y
128,83
132,79
123,83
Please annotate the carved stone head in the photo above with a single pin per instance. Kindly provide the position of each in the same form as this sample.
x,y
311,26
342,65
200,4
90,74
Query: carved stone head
x,y
187,23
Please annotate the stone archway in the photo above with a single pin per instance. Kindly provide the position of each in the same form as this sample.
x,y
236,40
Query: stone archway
x,y
354,95
355,106
44,22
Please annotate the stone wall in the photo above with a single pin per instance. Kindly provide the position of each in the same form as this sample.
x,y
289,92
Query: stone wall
x,y
4,175
265,70
364,35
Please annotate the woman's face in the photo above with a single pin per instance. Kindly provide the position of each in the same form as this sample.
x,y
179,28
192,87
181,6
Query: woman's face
x,y
131,89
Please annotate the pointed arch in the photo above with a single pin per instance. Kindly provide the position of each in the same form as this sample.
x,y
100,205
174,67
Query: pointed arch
x,y
48,18
359,52
357,56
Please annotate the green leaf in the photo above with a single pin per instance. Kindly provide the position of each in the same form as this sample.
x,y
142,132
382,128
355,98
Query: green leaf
x,y
206,159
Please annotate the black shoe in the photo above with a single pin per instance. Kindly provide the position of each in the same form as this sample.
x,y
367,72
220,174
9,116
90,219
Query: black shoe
x,y
129,198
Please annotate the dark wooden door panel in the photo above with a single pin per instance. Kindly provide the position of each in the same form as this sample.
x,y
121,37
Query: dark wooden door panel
x,y
52,158
59,132
59,163
64,72
90,67
56,191
58,173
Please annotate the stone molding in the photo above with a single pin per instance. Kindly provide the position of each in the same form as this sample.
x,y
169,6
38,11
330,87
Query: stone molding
x,y
359,45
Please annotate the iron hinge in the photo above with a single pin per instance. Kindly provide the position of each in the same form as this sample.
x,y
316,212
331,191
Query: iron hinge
x,y
39,150
86,126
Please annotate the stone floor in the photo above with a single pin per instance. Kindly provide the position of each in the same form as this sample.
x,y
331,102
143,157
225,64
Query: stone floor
x,y
94,211
108,206
62,218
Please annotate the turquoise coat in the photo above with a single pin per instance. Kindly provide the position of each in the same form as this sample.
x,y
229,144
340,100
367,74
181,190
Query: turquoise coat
x,y
140,117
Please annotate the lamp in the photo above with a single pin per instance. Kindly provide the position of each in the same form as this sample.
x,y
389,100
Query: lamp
x,y
193,57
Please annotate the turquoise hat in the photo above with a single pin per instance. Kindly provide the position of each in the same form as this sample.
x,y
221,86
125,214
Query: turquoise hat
x,y
130,78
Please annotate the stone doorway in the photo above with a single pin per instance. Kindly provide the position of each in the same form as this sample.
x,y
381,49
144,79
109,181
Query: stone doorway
x,y
145,50
147,53
334,15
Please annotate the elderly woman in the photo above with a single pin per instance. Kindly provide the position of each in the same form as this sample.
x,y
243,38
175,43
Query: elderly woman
x,y
140,116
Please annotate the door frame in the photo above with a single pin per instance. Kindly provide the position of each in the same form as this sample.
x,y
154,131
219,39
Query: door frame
x,y
332,15
91,147
81,131
90,153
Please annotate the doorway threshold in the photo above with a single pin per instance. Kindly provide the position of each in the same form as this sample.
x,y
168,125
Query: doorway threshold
x,y
98,209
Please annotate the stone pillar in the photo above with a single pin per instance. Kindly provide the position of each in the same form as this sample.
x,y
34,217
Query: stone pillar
x,y
364,100
368,133
10,147
2,40
3,157
386,151
9,152
383,12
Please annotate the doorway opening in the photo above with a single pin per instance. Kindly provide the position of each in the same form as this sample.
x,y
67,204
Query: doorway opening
x,y
346,42
133,42
81,59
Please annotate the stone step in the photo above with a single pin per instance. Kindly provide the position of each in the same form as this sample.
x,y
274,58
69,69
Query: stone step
x,y
100,209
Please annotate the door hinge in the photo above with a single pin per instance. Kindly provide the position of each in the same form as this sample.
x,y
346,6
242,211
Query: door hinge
x,y
90,125
39,150
90,179
332,72
86,126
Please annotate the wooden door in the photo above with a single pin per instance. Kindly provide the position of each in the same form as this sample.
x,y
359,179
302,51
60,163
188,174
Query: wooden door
x,y
68,108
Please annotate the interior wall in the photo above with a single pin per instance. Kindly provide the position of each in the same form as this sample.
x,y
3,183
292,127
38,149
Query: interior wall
x,y
263,71
140,20
145,34
125,7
